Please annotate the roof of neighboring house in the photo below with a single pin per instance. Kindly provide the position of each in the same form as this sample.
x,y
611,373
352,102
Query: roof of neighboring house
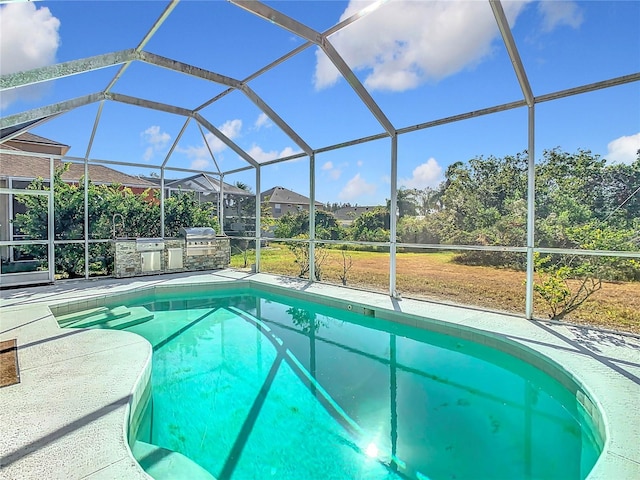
x,y
28,137
283,195
201,182
28,167
349,213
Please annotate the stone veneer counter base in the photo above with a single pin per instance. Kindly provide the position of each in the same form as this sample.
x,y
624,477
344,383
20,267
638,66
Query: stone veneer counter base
x,y
128,260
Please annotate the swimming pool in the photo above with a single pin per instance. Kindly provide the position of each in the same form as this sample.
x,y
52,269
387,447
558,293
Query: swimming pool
x,y
263,386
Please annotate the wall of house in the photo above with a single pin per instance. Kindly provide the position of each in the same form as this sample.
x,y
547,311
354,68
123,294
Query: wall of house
x,y
292,208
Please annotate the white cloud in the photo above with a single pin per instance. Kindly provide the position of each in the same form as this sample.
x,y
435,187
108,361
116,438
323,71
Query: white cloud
x,y
406,43
334,172
624,149
156,141
261,156
200,164
29,40
288,151
148,154
262,121
154,136
428,174
356,187
359,163
231,129
555,13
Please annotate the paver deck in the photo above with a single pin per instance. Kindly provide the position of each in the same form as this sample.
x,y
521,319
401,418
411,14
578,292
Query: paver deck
x,y
68,416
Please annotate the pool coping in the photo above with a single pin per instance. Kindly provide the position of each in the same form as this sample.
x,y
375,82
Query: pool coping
x,y
605,365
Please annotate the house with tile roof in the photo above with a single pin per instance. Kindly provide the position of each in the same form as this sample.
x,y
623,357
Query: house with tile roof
x,y
346,215
282,201
26,157
238,205
18,169
207,186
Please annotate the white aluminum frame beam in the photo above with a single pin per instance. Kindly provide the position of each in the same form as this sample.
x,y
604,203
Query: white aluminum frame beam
x,y
347,21
152,31
321,40
531,209
125,57
175,143
28,126
258,232
523,81
226,140
49,110
206,143
393,219
139,102
275,118
187,69
65,69
312,218
510,44
590,87
232,83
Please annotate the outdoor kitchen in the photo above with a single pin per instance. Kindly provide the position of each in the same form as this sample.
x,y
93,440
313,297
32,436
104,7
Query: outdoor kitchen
x,y
196,248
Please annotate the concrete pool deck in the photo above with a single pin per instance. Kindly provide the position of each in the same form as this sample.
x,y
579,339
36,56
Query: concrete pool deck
x,y
68,416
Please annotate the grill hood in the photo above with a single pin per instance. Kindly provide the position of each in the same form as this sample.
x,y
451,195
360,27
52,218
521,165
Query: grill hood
x,y
197,232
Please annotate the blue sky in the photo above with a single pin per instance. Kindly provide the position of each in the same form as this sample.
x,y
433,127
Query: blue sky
x,y
419,60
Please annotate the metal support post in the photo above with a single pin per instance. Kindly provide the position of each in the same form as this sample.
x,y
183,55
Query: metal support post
x,y
86,218
258,222
221,204
51,225
312,217
531,204
392,217
162,199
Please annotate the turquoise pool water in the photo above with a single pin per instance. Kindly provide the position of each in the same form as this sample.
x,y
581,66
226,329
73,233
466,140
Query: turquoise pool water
x,y
261,387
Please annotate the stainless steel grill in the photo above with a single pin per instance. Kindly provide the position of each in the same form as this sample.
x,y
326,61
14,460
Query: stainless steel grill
x,y
149,244
199,240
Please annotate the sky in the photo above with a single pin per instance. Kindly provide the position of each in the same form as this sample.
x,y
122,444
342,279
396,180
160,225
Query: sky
x,y
419,61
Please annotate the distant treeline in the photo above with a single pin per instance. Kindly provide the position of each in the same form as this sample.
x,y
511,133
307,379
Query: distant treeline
x,y
581,201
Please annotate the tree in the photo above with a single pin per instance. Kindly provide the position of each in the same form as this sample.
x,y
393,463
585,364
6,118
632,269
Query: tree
x,y
428,200
347,263
296,226
184,210
292,225
406,202
371,226
141,214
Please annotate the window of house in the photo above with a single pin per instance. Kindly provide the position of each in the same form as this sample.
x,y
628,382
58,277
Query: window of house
x,y
277,208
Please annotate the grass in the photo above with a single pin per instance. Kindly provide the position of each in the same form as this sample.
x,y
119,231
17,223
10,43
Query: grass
x,y
436,276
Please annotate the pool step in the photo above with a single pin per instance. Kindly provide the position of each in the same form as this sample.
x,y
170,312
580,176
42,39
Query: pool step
x,y
136,315
164,464
100,317
64,320
115,318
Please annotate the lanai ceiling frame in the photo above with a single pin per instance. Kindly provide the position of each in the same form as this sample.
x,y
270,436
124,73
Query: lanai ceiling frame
x,y
527,92
126,57
24,121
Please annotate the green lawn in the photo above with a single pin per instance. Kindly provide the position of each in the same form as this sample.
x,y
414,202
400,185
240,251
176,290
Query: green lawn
x,y
436,276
